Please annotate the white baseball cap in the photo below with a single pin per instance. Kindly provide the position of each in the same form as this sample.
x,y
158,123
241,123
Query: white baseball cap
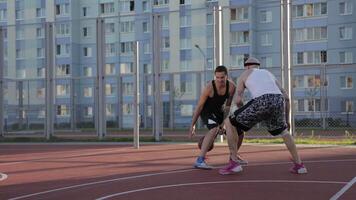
x,y
252,61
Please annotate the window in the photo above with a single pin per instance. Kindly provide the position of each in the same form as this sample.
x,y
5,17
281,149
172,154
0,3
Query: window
x,y
88,92
165,86
165,22
86,31
313,105
84,11
126,68
240,38
109,28
345,57
209,19
62,111
147,68
128,89
186,110
186,87
127,27
87,71
345,33
310,34
19,14
345,8
298,82
40,12
39,32
266,61
346,82
3,14
62,90
63,29
186,2
239,14
107,8
87,52
127,109
62,9
164,65
347,107
110,50
110,69
63,50
160,2
310,57
127,6
88,111
165,42
41,113
145,27
145,6
237,61
266,39
146,48
126,47
63,70
309,10
185,20
20,54
265,16
109,89
40,53
185,65
41,72
109,108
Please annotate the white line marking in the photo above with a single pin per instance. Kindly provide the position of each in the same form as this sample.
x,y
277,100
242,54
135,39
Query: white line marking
x,y
160,173
99,182
215,182
344,189
3,176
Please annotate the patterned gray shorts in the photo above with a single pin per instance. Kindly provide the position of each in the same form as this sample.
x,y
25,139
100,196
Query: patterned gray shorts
x,y
268,109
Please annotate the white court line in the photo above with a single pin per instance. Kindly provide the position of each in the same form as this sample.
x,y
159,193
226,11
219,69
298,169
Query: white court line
x,y
214,182
3,176
344,189
153,174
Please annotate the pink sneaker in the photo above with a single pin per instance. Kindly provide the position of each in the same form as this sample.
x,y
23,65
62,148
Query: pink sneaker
x,y
298,169
231,168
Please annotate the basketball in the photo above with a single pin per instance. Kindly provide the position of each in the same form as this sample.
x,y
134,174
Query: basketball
x,y
200,142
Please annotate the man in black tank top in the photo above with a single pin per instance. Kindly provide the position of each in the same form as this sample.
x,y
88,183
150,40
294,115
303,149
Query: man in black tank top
x,y
213,106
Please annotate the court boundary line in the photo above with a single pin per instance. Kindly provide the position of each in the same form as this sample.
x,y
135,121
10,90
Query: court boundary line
x,y
155,174
3,176
214,182
344,189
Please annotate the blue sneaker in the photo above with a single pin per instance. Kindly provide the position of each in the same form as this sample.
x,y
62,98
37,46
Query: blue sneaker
x,y
201,164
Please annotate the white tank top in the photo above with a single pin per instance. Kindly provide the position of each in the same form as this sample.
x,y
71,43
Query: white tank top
x,y
261,82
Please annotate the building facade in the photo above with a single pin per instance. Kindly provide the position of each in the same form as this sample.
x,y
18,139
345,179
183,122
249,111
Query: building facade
x,y
323,57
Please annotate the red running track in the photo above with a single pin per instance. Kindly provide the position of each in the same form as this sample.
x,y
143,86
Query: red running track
x,y
164,171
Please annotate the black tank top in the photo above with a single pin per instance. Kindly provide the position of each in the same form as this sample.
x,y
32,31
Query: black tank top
x,y
214,104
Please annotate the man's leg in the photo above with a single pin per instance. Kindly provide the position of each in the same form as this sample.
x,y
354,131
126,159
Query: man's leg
x,y
289,141
231,135
298,167
208,140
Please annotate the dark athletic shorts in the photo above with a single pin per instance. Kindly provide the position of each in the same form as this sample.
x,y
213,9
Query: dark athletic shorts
x,y
268,109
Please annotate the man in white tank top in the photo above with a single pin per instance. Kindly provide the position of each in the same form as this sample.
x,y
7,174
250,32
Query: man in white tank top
x,y
269,105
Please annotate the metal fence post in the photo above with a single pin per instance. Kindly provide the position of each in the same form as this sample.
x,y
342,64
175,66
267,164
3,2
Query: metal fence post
x,y
100,79
137,96
50,62
2,82
156,51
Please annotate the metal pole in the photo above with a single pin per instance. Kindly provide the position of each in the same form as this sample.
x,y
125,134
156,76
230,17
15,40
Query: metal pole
x,y
286,57
1,82
137,97
205,62
50,62
100,84
156,51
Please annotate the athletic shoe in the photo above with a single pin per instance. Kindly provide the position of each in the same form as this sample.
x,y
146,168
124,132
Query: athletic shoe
x,y
201,164
298,169
231,168
241,160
